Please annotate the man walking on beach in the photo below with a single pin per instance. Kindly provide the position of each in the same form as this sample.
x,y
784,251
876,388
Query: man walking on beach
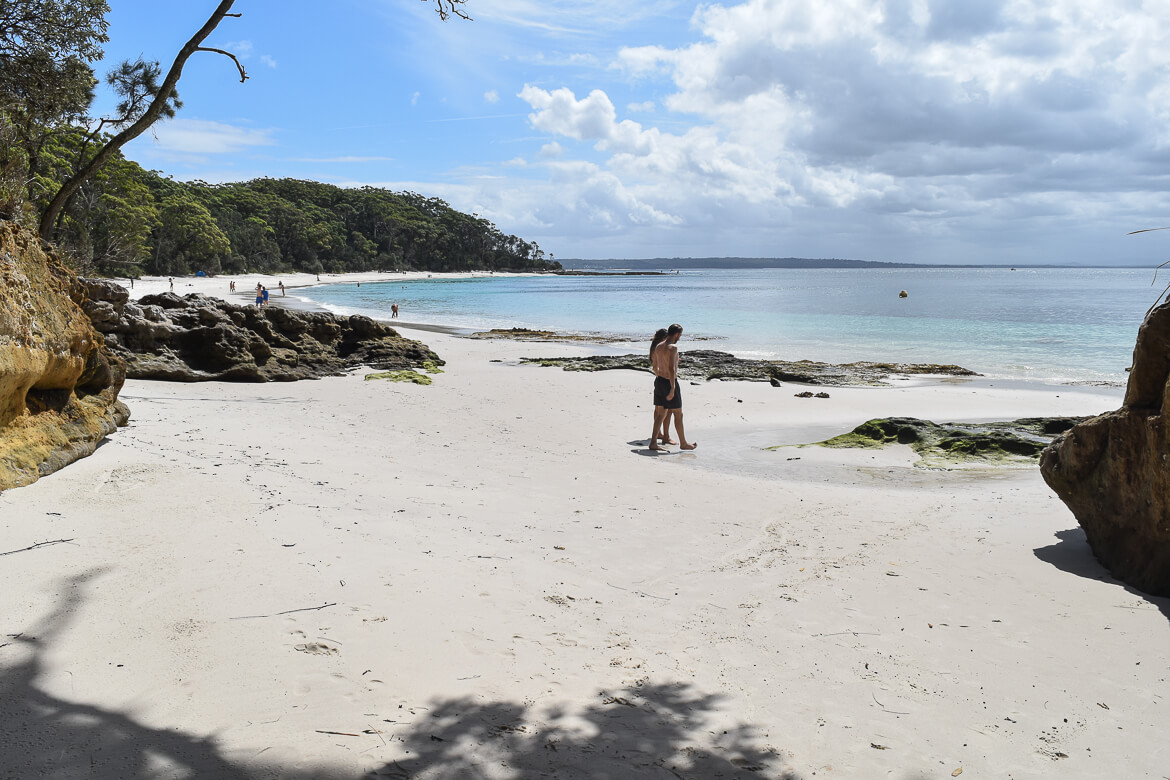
x,y
667,393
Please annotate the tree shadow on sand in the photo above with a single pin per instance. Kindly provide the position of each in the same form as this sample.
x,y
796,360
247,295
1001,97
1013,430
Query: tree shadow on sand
x,y
46,736
1074,555
651,731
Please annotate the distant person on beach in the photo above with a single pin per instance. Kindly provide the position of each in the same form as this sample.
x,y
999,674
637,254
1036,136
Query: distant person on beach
x,y
259,295
394,311
667,392
172,284
282,289
264,293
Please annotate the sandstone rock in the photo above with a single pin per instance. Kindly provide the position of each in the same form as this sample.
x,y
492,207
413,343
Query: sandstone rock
x,y
196,338
1112,470
58,384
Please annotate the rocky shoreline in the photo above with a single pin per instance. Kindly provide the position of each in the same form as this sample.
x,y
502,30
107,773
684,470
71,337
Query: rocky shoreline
x,y
197,338
940,445
707,364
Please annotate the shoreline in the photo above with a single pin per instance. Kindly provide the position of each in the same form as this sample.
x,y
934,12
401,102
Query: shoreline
x,y
216,287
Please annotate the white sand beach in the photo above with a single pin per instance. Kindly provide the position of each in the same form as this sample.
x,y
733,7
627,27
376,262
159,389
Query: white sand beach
x,y
491,577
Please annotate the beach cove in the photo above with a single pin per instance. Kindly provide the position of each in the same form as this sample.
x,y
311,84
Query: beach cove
x,y
489,577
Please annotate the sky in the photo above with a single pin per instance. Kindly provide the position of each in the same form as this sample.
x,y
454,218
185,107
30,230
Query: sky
x,y
930,131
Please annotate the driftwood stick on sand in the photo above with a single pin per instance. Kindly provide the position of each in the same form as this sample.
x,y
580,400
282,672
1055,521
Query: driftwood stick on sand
x,y
35,546
286,612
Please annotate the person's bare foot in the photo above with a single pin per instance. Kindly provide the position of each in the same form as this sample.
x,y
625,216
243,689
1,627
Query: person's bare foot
x,y
655,448
690,446
666,440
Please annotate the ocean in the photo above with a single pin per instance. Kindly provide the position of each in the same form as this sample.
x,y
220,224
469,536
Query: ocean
x,y
1051,325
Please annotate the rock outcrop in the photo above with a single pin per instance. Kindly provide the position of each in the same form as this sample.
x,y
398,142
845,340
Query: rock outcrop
x,y
58,383
941,445
197,338
709,364
1113,471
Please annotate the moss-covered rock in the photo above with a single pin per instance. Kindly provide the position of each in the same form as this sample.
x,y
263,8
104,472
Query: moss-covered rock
x,y
950,444
401,376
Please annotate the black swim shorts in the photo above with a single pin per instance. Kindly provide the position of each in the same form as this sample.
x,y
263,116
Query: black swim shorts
x,y
662,389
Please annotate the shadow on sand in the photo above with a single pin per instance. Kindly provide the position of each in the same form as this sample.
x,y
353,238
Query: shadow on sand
x,y
653,731
650,731
1073,555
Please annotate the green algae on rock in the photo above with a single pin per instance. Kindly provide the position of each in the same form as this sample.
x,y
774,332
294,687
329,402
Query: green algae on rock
x,y
401,376
948,444
431,367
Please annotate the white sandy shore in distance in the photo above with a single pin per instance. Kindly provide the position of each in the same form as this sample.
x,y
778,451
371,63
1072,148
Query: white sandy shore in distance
x,y
490,577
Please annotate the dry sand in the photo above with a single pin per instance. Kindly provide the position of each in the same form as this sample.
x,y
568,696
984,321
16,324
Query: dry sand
x,y
491,577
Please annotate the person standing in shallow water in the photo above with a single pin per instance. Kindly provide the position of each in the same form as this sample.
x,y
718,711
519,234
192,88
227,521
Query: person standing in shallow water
x,y
667,392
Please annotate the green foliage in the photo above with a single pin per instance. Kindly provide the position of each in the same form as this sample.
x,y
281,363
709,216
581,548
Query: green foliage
x,y
46,83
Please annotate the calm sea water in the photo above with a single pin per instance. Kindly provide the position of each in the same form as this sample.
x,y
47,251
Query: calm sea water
x,y
1051,325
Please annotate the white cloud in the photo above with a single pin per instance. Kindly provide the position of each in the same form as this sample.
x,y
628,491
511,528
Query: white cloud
x,y
491,96
242,49
909,121
414,99
645,107
201,137
269,61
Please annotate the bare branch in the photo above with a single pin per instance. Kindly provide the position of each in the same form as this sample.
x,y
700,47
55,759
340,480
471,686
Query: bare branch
x,y
35,546
447,8
243,75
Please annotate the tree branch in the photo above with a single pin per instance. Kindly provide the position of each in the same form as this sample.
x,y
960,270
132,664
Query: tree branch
x,y
243,75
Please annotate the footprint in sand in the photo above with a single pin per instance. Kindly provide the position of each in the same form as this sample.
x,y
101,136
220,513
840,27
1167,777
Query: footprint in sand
x,y
315,648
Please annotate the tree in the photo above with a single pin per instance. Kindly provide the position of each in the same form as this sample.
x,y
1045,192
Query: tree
x,y
45,82
160,105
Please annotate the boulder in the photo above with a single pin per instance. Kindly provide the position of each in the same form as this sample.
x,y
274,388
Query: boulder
x,y
196,338
58,383
1113,471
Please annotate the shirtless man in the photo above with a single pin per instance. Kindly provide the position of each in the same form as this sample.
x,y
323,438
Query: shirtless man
x,y
667,393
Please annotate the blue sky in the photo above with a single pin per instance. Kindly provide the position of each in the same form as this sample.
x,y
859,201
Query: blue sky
x,y
935,131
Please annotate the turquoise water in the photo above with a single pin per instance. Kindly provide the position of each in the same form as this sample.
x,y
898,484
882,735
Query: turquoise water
x,y
1051,324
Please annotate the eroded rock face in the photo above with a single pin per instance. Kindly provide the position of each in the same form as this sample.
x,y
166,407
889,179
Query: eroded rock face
x,y
58,384
196,338
1113,471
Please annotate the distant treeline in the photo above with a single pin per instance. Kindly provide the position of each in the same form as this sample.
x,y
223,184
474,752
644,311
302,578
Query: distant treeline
x,y
667,263
128,221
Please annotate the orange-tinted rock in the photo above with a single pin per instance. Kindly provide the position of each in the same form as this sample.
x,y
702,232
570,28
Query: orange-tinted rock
x,y
58,383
